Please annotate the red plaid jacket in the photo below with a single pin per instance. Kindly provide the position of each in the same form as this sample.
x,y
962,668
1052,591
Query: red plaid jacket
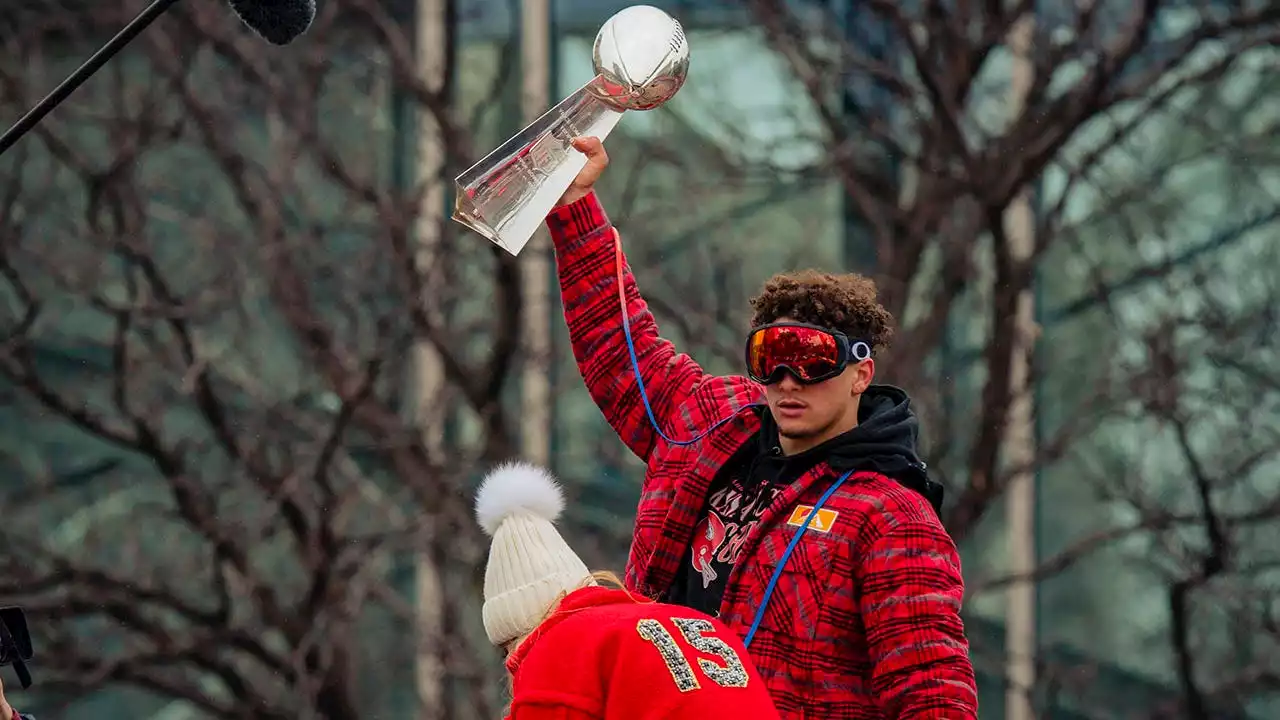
x,y
865,620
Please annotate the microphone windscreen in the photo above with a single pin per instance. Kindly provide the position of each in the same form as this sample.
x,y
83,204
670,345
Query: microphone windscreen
x,y
279,22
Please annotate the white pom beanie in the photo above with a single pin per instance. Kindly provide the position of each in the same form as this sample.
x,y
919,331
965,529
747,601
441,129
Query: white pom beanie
x,y
530,565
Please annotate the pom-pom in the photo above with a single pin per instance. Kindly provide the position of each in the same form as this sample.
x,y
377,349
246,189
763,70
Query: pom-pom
x,y
517,487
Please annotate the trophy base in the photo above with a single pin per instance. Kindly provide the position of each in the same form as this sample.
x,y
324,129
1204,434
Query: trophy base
x,y
508,194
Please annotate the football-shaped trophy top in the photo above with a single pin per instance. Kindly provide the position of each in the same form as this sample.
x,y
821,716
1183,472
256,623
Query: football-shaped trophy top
x,y
642,58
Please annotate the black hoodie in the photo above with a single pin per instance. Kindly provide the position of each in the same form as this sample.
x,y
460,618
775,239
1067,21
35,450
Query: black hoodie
x,y
884,441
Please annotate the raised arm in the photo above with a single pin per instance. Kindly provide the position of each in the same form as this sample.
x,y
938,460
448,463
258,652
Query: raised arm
x,y
586,262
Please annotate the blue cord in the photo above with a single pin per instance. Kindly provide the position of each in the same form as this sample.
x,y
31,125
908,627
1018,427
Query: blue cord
x,y
644,394
786,555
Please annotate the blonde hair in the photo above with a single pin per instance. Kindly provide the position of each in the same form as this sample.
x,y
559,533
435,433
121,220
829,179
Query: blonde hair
x,y
603,578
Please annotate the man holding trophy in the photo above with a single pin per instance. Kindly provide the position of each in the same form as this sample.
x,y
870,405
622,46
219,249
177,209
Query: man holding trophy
x,y
789,503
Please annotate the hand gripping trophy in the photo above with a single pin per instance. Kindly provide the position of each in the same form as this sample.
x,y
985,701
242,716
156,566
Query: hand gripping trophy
x,y
641,59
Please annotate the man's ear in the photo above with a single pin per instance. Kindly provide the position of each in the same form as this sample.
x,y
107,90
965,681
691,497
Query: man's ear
x,y
864,373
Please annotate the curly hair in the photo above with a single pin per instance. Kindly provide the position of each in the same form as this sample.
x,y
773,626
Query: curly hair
x,y
846,303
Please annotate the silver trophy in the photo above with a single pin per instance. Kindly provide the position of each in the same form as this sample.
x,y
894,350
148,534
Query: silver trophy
x,y
641,59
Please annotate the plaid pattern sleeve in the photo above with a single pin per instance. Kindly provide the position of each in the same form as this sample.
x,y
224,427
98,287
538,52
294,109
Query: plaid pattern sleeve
x,y
586,262
911,595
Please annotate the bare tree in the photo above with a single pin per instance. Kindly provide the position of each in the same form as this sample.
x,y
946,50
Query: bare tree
x,y
210,292
211,286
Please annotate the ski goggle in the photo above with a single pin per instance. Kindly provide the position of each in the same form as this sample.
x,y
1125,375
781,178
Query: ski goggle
x,y
810,353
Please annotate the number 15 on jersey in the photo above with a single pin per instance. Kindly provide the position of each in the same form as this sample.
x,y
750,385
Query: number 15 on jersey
x,y
700,635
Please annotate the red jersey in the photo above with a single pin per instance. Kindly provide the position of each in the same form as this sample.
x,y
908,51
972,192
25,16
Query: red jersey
x,y
608,655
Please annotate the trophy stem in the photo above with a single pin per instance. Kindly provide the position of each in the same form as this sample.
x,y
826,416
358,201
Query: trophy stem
x,y
508,194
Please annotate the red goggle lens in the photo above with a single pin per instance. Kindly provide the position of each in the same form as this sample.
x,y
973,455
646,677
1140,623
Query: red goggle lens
x,y
810,353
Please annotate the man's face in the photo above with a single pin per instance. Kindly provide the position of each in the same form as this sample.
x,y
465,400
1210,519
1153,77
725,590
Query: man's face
x,y
812,411
815,411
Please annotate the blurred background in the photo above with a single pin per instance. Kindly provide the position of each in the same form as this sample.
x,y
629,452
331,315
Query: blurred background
x,y
250,372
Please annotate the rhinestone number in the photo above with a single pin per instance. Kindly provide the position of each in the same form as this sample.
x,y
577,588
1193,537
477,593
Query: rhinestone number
x,y
699,634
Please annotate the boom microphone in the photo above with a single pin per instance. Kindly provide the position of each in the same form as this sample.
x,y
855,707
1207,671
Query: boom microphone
x,y
279,22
